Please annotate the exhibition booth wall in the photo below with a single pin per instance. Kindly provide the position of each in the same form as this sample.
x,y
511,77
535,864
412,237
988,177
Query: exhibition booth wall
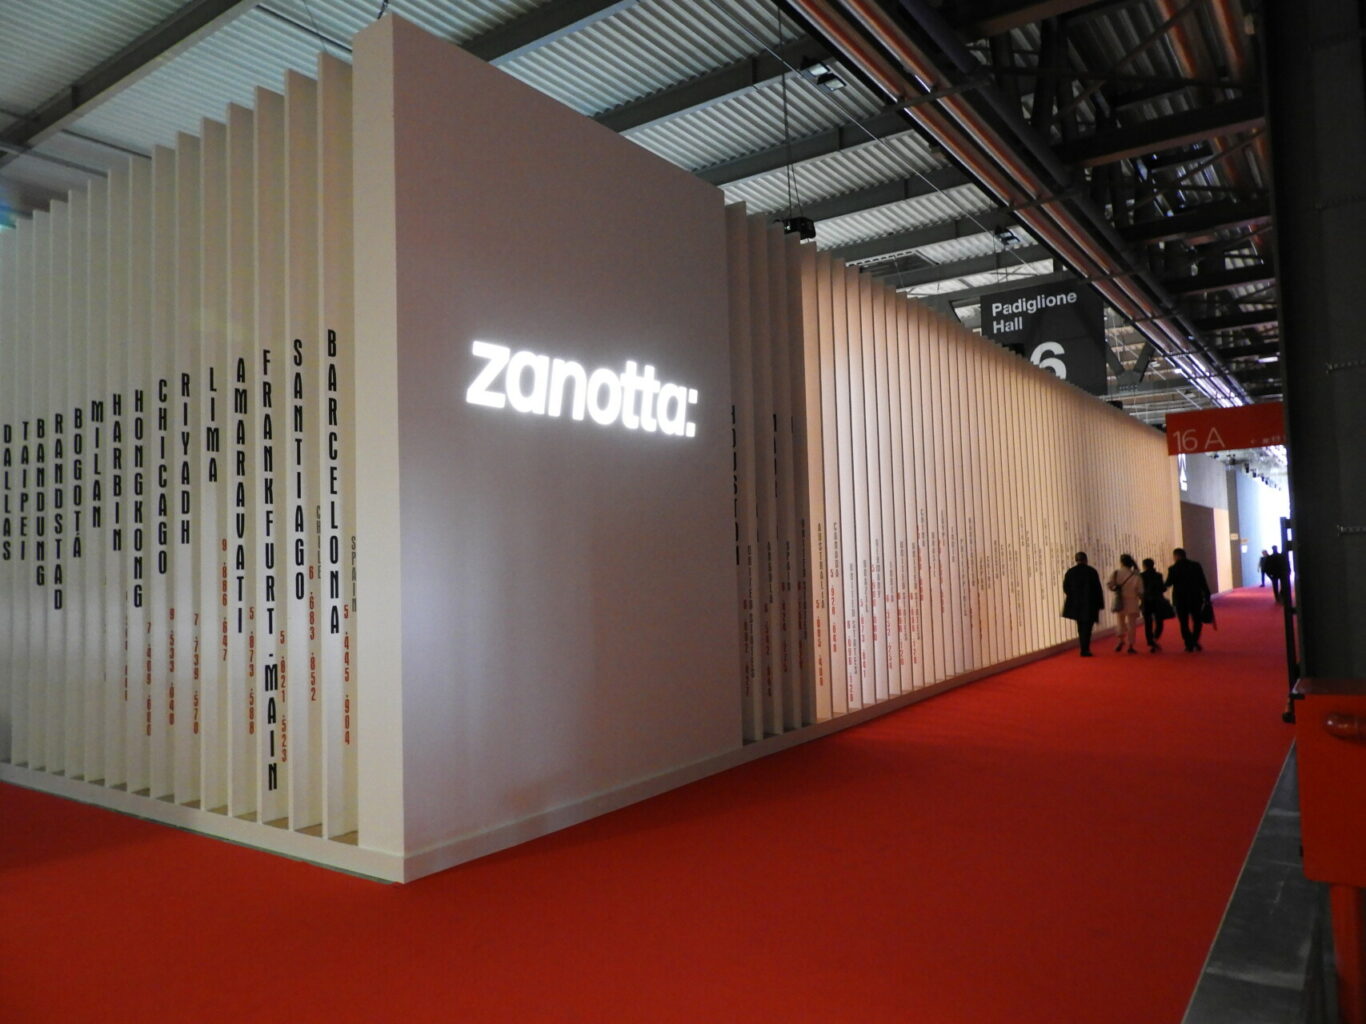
x,y
385,482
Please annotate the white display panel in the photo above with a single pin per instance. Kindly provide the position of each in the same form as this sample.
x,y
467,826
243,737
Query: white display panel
x,y
187,515
820,650
137,421
551,643
788,714
824,369
335,447
846,537
875,377
11,630
762,333
748,567
120,703
239,666
299,522
94,460
160,541
267,462
212,713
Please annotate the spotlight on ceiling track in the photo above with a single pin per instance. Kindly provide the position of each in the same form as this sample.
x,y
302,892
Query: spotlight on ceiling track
x,y
824,76
803,227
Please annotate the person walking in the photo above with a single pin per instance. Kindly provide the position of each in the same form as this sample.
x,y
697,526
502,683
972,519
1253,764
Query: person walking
x,y
1083,600
1127,586
1276,568
1261,567
1154,604
1190,594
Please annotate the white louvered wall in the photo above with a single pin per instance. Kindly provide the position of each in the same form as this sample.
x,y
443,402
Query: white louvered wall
x,y
908,495
178,615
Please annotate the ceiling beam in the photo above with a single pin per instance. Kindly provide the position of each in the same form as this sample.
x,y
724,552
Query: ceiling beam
x,y
1019,16
1237,321
972,296
713,87
1197,221
1165,133
543,25
1267,348
1218,280
885,195
965,268
879,126
190,23
889,245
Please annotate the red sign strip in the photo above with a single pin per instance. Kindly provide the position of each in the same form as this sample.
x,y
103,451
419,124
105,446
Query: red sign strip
x,y
1217,430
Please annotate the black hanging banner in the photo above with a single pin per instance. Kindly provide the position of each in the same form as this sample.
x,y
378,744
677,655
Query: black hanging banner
x,y
1057,327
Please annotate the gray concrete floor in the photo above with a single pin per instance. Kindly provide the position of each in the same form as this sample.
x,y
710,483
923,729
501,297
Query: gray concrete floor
x,y
1269,964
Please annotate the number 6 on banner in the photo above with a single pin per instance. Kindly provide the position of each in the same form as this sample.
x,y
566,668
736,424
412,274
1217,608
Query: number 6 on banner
x,y
1045,357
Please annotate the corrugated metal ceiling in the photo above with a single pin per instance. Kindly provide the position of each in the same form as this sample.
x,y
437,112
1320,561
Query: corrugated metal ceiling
x,y
618,54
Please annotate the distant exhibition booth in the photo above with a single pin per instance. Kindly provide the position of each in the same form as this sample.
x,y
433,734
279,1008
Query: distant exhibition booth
x,y
390,480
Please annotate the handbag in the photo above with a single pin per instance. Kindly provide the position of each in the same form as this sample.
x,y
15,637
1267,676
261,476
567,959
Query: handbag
x,y
1164,609
1207,613
1117,605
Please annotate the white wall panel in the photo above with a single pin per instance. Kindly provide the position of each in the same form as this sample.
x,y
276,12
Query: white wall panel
x,y
749,577
336,447
267,462
298,409
801,323
42,693
120,699
240,667
867,649
73,555
783,271
873,468
188,519
886,482
9,491
813,441
832,583
57,347
160,544
212,711
762,333
846,537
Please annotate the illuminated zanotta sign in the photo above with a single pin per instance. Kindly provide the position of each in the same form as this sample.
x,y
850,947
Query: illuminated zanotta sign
x,y
539,385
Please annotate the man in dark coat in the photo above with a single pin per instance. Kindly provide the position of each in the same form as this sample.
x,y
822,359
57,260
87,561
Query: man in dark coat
x,y
1190,594
1084,600
1276,568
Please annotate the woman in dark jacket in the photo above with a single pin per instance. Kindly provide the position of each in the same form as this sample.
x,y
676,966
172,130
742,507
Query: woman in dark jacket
x,y
1153,588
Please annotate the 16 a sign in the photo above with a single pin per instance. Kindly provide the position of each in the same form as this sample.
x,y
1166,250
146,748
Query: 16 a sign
x,y
1218,430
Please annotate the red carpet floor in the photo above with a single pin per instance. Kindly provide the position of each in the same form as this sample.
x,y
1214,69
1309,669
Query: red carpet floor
x,y
1054,844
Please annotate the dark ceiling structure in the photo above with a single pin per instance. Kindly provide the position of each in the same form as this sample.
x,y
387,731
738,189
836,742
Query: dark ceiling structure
x,y
955,149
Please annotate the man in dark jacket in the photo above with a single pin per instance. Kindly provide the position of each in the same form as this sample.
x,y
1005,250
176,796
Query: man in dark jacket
x,y
1084,600
1190,594
1277,569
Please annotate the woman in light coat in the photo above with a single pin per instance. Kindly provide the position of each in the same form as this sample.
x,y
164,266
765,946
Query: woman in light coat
x,y
1127,585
